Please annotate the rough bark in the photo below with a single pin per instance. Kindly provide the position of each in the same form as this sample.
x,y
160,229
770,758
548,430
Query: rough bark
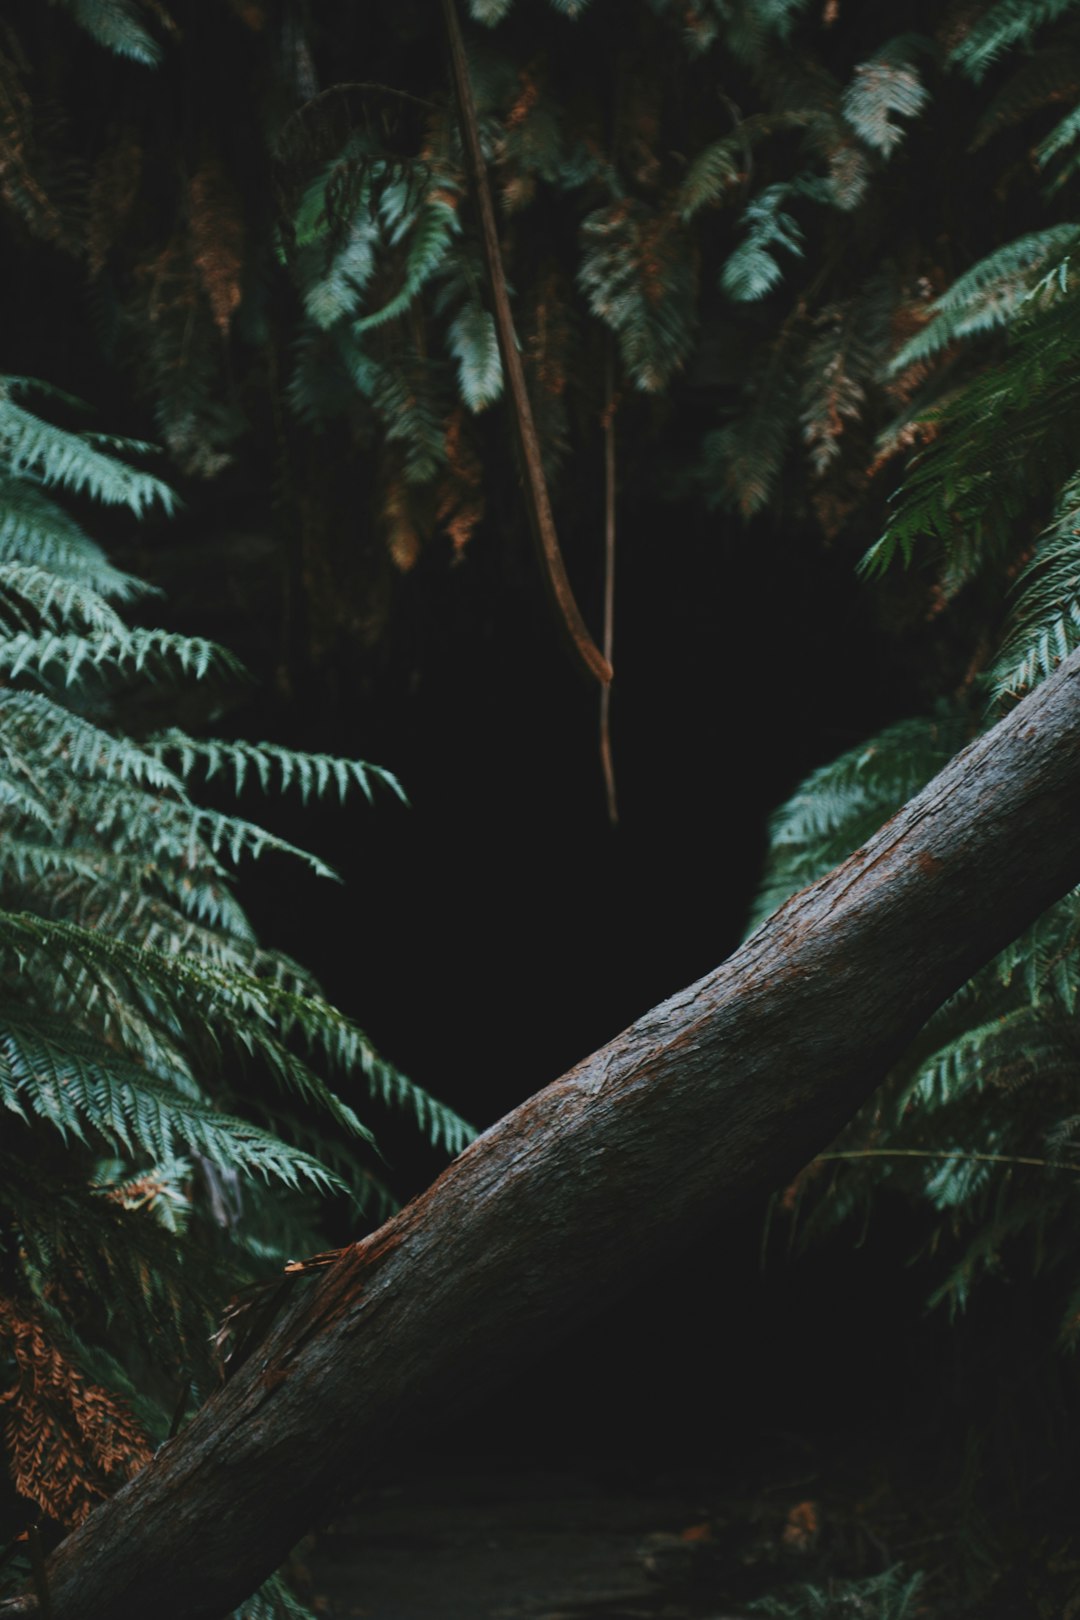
x,y
719,1093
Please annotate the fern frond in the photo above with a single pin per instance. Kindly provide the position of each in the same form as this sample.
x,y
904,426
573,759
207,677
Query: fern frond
x,y
1006,24
80,462
723,165
475,347
990,294
1049,76
48,1072
252,1014
842,364
67,656
1001,440
884,89
336,293
489,12
1044,623
273,1601
893,1595
58,735
33,529
741,463
117,24
32,597
430,232
841,804
275,768
639,279
752,270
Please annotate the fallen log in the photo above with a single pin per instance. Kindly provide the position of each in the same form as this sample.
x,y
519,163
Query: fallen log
x,y
720,1093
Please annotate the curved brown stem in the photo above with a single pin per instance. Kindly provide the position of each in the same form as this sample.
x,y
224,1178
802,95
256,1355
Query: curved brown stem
x,y
541,518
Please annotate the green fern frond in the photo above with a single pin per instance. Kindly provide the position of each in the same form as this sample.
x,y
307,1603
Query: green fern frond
x,y
32,597
892,1595
67,656
336,294
430,230
990,294
884,89
80,462
970,485
719,168
249,1013
1044,623
1061,137
752,270
1004,25
1049,76
117,25
33,529
475,347
275,768
741,463
489,12
48,1072
60,736
842,365
639,280
841,804
273,1601
186,833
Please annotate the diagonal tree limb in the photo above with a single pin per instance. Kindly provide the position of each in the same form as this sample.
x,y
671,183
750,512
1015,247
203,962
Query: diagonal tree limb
x,y
708,1100
541,518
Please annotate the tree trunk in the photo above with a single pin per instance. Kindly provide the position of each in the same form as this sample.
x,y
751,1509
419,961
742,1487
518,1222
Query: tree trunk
x,y
720,1093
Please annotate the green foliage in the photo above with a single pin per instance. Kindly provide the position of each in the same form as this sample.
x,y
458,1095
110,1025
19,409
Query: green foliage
x,y
1002,27
753,269
118,25
889,1596
1044,625
638,278
841,804
886,88
165,1079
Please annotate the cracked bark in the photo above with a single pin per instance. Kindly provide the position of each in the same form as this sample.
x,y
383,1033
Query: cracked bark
x,y
721,1092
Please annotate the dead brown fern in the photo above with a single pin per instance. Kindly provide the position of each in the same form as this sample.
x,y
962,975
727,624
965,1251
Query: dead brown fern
x,y
217,241
70,1443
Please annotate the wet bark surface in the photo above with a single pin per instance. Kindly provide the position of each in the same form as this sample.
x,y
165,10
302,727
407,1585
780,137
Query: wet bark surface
x,y
722,1091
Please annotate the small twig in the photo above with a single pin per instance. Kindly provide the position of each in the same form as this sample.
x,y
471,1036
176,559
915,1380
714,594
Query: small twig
x,y
542,521
607,761
977,1158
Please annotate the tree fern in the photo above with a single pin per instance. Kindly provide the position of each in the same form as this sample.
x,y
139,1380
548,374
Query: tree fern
x,y
143,1029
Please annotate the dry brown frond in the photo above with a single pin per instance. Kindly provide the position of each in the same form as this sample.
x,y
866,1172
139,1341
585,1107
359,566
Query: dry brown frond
x,y
402,536
460,507
20,185
70,1442
113,190
217,240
